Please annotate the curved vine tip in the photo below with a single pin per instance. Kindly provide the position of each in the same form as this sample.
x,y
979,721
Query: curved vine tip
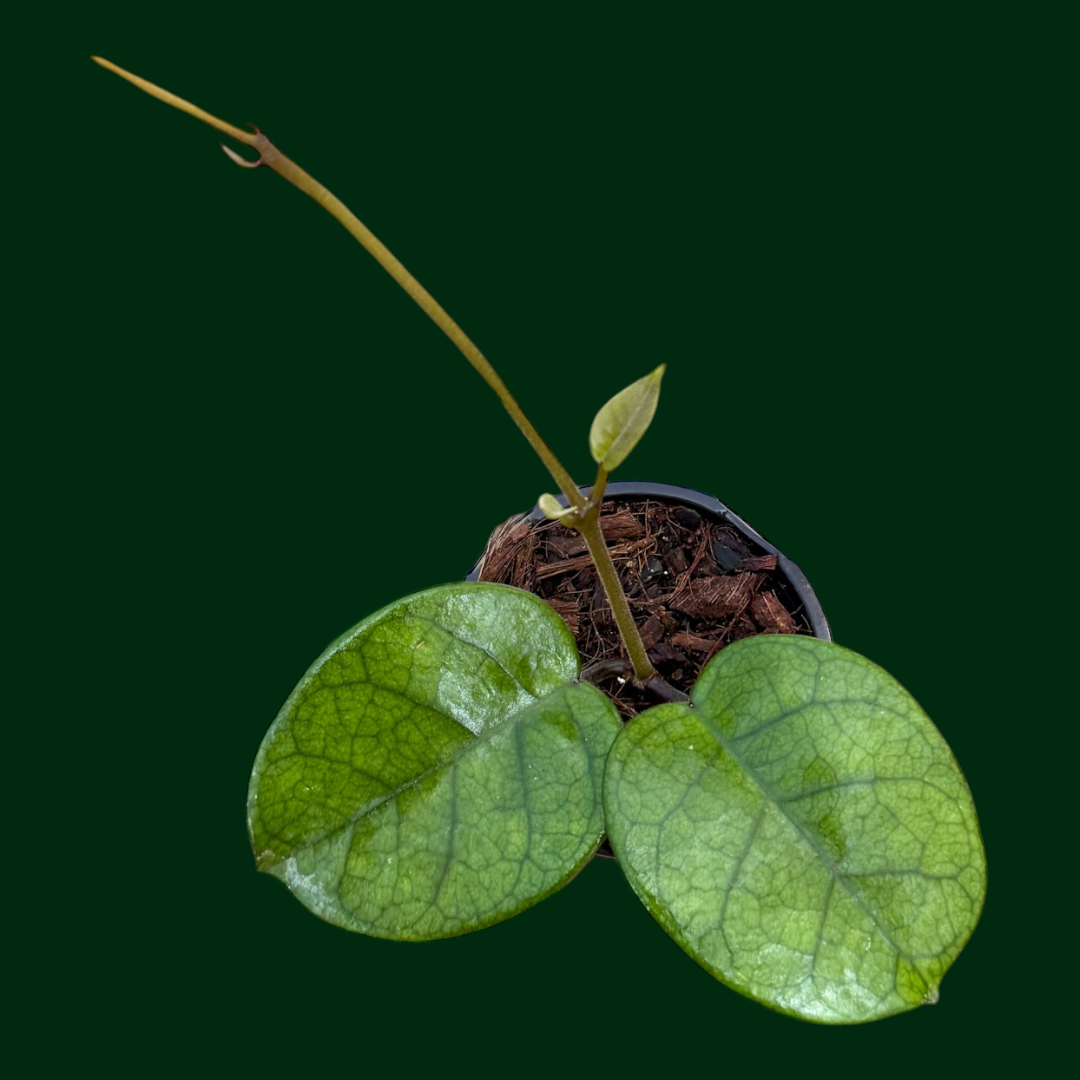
x,y
289,170
624,426
242,162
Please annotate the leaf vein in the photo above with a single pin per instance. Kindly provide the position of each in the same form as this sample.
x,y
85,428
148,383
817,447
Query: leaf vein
x,y
811,840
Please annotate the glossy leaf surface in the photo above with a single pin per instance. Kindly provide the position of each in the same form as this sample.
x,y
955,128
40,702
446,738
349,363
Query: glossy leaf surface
x,y
803,831
619,425
437,769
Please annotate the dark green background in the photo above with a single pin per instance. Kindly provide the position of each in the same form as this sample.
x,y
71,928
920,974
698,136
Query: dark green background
x,y
241,437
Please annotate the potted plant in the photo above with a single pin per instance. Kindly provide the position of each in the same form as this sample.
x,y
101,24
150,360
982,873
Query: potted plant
x,y
790,816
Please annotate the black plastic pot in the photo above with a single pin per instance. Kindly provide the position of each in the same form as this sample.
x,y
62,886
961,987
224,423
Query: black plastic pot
x,y
791,582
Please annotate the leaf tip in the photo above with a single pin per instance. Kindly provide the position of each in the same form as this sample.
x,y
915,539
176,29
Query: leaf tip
x,y
266,862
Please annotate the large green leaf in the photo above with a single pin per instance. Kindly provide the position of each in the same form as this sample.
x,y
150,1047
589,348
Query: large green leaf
x,y
802,831
437,769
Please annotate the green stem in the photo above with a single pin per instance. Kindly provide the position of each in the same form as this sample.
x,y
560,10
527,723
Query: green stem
x,y
589,525
287,168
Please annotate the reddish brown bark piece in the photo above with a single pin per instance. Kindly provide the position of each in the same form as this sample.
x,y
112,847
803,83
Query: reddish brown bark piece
x,y
767,611
715,597
508,552
561,566
622,525
565,547
683,640
665,653
651,632
677,561
568,612
759,562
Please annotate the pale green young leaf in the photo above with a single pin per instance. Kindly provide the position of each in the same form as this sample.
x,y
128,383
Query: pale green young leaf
x,y
552,509
619,425
803,831
437,769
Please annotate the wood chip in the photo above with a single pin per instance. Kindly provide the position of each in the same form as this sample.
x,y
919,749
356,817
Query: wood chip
x,y
716,597
512,540
562,566
565,547
767,611
652,631
621,526
727,558
759,562
665,653
677,561
685,640
569,612
571,566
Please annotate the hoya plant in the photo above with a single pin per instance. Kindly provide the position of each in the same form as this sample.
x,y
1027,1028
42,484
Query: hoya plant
x,y
795,822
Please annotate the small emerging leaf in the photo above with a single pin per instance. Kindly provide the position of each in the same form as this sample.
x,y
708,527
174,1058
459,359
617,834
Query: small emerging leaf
x,y
551,508
803,832
619,425
437,769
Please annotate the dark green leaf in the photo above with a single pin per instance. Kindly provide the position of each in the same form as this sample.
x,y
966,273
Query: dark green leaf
x,y
437,770
803,831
